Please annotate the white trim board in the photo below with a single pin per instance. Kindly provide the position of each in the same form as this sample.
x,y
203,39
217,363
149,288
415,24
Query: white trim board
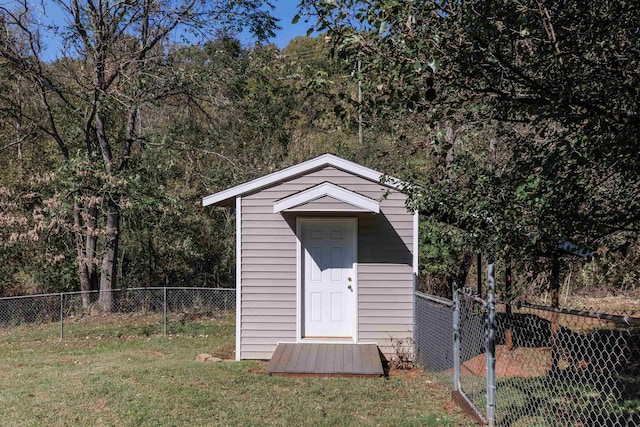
x,y
238,275
416,244
299,169
299,280
327,189
416,266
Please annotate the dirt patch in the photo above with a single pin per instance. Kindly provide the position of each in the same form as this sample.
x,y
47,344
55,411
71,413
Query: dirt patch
x,y
139,318
451,407
154,354
69,361
225,352
261,369
519,362
206,357
103,408
405,373
101,405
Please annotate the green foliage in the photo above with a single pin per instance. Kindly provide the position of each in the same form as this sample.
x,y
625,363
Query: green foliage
x,y
441,248
515,123
99,108
524,114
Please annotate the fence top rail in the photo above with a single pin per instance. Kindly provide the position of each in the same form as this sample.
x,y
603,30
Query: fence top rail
x,y
57,294
434,298
619,319
470,294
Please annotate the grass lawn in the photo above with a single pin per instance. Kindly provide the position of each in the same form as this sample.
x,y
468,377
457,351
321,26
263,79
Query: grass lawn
x,y
121,373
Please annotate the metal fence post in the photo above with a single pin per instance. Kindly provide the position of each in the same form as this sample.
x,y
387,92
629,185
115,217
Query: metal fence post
x,y
555,304
491,344
61,315
164,312
456,337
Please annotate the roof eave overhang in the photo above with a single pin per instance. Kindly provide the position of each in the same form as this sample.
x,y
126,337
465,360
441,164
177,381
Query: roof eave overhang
x,y
224,198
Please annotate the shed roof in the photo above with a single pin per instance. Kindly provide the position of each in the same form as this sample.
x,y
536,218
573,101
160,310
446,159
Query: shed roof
x,y
224,197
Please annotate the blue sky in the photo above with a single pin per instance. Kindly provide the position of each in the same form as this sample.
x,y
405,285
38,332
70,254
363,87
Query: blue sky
x,y
284,10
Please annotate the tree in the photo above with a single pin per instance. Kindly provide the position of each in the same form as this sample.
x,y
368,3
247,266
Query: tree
x,y
530,112
112,70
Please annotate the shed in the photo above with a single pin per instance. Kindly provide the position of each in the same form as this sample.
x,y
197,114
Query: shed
x,y
325,253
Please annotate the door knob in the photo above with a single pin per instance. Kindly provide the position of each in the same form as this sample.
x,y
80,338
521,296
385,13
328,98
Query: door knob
x,y
349,287
349,279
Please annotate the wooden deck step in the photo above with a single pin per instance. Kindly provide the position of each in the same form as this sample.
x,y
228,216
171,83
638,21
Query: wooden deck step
x,y
307,359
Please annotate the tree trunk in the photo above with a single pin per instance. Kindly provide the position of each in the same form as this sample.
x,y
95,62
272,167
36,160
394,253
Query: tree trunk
x,y
109,258
463,269
91,242
81,258
460,277
83,276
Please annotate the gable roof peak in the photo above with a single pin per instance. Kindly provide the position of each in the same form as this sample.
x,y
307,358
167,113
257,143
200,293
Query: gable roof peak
x,y
298,169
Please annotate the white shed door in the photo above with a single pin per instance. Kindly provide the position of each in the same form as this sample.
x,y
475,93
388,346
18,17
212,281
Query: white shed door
x,y
329,255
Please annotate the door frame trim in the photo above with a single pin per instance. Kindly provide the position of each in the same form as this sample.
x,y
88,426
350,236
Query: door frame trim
x,y
300,279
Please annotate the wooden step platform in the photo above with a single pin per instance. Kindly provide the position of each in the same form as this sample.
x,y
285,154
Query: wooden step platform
x,y
307,359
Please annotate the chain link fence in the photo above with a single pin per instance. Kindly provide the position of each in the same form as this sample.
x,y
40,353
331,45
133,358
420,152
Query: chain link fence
x,y
163,309
434,334
544,366
566,367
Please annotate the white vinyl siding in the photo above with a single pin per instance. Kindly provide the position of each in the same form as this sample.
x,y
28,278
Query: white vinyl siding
x,y
385,277
385,273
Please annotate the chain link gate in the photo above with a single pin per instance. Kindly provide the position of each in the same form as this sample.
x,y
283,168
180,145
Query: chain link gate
x,y
470,379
